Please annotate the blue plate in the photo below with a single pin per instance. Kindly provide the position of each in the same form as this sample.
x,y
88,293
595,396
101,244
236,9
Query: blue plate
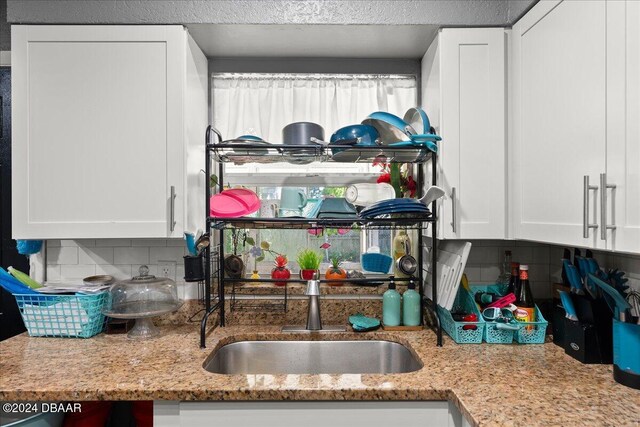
x,y
394,203
392,210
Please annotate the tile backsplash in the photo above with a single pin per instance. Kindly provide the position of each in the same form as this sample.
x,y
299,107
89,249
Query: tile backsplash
x,y
545,265
71,260
485,263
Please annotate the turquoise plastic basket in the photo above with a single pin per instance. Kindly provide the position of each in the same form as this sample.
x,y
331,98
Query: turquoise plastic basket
x,y
491,334
456,330
75,316
535,334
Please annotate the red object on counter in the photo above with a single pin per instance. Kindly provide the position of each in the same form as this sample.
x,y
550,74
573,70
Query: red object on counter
x,y
504,301
472,317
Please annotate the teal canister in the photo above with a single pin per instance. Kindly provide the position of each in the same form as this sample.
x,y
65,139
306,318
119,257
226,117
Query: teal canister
x,y
411,306
391,302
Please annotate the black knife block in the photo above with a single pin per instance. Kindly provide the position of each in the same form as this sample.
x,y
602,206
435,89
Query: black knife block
x,y
589,340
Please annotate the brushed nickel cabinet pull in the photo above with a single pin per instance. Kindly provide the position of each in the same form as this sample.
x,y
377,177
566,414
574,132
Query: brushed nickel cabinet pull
x,y
454,215
172,212
585,207
603,206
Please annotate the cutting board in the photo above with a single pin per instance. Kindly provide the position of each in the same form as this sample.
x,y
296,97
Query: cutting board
x,y
451,261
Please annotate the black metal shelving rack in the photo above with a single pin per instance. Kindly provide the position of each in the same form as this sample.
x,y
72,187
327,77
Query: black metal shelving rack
x,y
244,152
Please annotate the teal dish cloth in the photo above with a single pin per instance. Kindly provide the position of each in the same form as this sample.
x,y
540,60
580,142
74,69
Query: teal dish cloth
x,y
362,323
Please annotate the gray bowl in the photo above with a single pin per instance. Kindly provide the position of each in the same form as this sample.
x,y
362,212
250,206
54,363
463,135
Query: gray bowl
x,y
300,133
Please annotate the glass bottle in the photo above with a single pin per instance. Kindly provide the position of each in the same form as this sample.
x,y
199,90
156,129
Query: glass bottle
x,y
514,280
505,275
524,298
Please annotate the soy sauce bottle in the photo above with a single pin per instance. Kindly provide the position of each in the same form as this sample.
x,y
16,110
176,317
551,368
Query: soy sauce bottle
x,y
524,298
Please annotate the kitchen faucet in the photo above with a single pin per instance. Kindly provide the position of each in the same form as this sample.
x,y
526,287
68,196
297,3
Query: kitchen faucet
x,y
314,320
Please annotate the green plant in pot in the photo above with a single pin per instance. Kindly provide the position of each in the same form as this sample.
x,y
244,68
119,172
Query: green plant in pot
x,y
309,262
335,271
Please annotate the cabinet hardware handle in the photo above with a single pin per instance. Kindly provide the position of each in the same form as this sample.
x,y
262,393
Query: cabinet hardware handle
x,y
454,213
172,211
585,207
603,206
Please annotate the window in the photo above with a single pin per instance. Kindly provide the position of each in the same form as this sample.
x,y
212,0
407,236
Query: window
x,y
261,105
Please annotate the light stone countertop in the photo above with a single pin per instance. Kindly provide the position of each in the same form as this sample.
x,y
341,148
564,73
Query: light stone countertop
x,y
492,385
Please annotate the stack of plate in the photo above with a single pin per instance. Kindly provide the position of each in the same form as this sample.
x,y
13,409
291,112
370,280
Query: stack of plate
x,y
410,207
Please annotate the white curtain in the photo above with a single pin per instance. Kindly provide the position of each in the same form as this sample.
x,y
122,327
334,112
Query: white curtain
x,y
262,104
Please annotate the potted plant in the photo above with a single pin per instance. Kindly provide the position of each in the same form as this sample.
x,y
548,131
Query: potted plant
x,y
280,271
335,272
309,262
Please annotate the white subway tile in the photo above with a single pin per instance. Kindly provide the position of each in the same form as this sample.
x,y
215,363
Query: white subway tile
x,y
131,255
97,255
113,242
53,243
540,255
62,255
76,271
473,273
119,272
486,255
53,273
539,272
175,242
86,243
67,242
522,254
166,254
149,242
489,273
153,270
180,272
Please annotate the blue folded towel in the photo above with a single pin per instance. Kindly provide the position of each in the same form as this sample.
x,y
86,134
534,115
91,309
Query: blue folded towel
x,y
362,323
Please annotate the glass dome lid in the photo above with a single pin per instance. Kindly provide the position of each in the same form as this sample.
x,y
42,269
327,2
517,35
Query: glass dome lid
x,y
142,297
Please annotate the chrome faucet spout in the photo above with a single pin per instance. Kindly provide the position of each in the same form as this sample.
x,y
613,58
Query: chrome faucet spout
x,y
314,320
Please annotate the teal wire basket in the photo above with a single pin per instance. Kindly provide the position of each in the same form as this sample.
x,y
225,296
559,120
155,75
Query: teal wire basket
x,y
528,333
462,332
73,316
532,332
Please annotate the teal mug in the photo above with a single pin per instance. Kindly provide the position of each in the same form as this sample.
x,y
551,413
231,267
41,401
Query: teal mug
x,y
293,199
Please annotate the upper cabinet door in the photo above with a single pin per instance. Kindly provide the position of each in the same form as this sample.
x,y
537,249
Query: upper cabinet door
x,y
464,96
97,130
622,203
559,121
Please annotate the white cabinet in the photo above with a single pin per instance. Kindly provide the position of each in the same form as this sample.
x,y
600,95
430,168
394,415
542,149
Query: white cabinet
x,y
559,127
622,204
575,96
108,128
463,77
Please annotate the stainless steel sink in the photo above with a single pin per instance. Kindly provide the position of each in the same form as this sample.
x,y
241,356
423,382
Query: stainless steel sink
x,y
312,357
